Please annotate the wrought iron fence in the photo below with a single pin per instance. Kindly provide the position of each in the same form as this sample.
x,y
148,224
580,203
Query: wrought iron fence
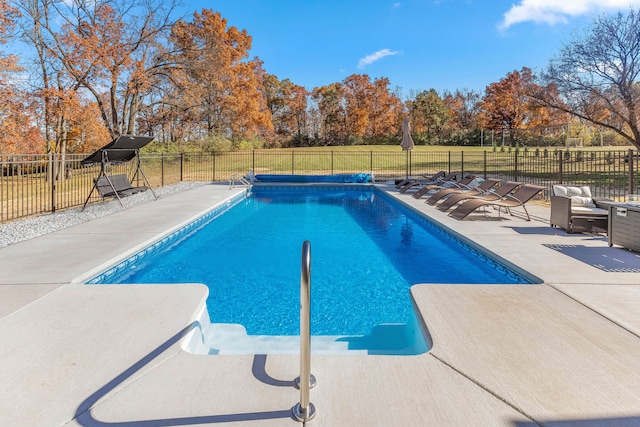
x,y
37,184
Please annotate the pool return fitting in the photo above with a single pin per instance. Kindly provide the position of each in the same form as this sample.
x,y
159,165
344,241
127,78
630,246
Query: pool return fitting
x,y
304,410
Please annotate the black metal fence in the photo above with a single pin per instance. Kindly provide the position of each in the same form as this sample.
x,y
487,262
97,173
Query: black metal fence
x,y
27,187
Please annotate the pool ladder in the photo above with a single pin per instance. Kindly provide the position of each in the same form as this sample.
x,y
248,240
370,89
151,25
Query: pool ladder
x,y
304,410
237,179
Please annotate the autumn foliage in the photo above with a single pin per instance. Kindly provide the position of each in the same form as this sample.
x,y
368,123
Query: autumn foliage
x,y
102,69
18,133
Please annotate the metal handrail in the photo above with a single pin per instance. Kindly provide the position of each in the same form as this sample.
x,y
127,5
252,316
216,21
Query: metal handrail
x,y
304,410
240,179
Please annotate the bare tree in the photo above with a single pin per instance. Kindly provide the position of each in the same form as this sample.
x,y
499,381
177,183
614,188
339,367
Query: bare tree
x,y
597,75
107,49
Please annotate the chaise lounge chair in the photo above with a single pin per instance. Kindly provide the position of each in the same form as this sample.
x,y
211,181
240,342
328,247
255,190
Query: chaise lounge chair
x,y
435,177
497,193
484,187
514,200
418,183
448,185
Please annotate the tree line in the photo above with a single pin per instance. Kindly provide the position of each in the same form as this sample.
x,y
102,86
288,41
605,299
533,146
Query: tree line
x,y
94,70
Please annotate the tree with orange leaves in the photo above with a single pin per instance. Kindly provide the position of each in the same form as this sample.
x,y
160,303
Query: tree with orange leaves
x,y
508,104
18,135
504,105
463,108
217,85
372,111
358,94
108,51
385,110
329,102
287,103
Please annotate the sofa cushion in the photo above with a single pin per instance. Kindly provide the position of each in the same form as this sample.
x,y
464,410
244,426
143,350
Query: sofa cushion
x,y
586,191
582,201
559,190
580,196
585,210
573,191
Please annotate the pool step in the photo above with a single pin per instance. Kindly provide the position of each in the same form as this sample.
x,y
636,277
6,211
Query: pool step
x,y
224,338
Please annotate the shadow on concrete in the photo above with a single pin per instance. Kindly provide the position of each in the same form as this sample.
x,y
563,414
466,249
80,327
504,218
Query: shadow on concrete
x,y
258,369
552,231
613,260
591,422
84,417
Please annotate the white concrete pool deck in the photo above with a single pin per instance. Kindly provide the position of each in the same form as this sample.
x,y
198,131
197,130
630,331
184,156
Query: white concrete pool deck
x,y
562,353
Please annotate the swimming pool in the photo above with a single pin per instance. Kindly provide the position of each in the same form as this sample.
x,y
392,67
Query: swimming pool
x,y
367,250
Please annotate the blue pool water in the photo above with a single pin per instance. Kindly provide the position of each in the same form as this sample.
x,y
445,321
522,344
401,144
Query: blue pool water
x,y
366,252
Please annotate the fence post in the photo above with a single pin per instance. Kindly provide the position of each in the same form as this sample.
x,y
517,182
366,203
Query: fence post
x,y
331,162
52,174
292,162
485,164
213,155
461,164
181,165
371,163
162,171
560,164
515,167
631,172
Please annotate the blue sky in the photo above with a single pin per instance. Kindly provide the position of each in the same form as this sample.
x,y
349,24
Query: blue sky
x,y
417,44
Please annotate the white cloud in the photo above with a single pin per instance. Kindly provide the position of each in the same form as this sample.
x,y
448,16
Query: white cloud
x,y
370,59
553,12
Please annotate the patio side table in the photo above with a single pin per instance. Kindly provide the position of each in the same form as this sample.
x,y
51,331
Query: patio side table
x,y
624,226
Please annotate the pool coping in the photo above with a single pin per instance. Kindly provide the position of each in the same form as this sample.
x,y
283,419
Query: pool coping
x,y
62,363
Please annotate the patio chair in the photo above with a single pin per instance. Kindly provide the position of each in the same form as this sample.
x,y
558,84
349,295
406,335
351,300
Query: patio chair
x,y
574,210
518,198
449,185
482,188
497,193
424,178
453,176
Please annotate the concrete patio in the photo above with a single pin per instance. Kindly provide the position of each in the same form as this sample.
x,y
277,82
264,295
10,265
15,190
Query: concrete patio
x,y
562,353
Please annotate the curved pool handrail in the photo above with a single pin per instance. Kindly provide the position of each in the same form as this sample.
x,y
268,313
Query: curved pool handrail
x,y
304,410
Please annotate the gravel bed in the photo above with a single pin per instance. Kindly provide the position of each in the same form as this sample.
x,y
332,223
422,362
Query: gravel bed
x,y
25,229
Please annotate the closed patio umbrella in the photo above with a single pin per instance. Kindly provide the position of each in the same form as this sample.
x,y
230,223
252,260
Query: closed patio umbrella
x,y
407,141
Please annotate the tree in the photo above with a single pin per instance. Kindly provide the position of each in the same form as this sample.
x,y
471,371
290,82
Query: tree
x,y
8,16
385,111
216,82
372,111
464,108
358,94
430,114
504,105
331,113
597,75
106,50
19,135
287,103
